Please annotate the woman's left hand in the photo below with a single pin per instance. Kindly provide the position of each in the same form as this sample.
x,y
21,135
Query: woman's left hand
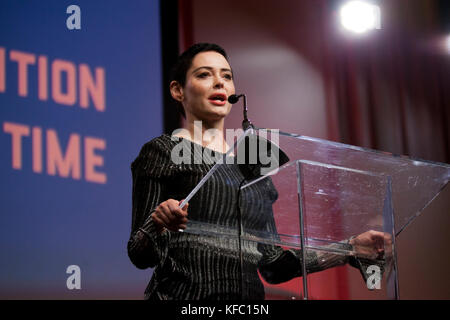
x,y
372,244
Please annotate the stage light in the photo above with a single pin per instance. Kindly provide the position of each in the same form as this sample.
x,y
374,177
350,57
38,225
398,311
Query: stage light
x,y
360,16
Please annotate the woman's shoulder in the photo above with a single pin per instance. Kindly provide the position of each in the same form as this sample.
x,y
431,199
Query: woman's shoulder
x,y
155,153
162,144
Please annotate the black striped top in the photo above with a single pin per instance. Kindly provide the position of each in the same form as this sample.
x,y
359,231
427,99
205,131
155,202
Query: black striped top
x,y
201,266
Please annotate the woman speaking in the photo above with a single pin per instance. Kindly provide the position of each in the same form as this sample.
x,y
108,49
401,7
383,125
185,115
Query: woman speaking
x,y
200,267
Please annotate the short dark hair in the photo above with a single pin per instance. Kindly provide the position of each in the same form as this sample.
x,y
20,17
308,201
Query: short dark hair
x,y
184,62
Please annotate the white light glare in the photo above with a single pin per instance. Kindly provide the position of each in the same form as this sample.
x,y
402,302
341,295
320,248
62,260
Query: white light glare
x,y
360,16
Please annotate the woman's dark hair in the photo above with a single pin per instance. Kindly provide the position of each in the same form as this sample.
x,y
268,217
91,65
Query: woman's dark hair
x,y
184,62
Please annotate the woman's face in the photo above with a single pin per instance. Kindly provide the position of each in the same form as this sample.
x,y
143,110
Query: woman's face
x,y
209,83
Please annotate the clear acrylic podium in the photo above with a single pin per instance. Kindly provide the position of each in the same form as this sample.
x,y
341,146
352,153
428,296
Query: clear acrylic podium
x,y
306,198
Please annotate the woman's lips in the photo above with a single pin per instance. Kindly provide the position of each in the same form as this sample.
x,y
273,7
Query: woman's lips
x,y
217,102
218,99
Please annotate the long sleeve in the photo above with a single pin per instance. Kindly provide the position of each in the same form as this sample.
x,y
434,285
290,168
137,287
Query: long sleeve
x,y
146,248
279,265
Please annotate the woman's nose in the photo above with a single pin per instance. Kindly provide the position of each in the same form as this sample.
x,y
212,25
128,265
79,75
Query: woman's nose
x,y
218,82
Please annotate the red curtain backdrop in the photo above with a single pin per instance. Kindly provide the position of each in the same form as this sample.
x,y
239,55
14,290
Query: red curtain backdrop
x,y
387,90
390,90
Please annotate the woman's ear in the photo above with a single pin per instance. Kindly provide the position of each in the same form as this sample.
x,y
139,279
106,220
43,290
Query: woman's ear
x,y
176,90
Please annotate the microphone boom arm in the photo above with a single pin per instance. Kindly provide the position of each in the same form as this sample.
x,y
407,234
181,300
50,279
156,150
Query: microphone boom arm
x,y
246,123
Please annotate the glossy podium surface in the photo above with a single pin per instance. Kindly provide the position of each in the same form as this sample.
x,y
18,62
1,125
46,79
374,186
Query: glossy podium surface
x,y
299,201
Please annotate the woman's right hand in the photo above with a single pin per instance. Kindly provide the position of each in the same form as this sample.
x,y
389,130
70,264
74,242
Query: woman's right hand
x,y
168,215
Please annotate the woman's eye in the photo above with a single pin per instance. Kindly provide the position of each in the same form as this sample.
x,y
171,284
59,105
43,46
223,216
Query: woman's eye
x,y
203,75
228,76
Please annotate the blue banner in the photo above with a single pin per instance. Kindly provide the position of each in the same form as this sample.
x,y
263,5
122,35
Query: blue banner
x,y
80,93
